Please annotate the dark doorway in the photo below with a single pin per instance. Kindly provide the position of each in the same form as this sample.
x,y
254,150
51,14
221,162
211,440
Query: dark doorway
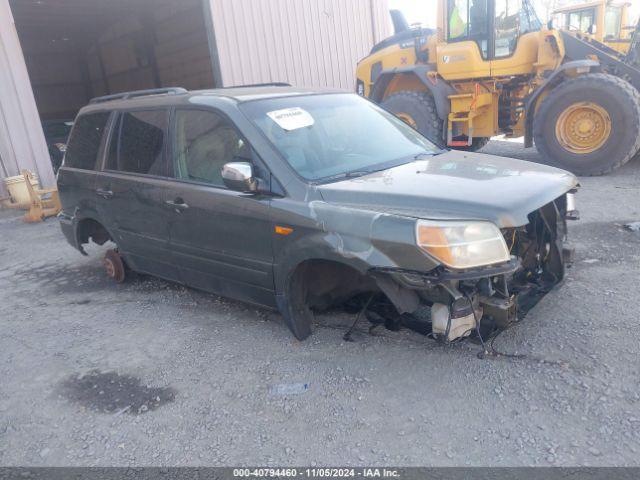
x,y
79,49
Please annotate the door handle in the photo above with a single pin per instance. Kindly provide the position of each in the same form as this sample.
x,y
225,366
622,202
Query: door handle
x,y
104,193
178,204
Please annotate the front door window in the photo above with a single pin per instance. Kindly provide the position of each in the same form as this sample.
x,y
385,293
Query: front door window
x,y
205,141
468,21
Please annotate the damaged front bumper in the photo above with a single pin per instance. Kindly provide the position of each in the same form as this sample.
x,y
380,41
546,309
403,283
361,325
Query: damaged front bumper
x,y
394,282
459,302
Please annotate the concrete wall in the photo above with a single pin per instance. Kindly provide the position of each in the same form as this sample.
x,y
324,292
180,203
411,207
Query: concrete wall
x,y
303,42
22,143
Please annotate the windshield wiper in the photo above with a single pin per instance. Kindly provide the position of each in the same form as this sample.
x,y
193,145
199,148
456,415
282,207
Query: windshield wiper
x,y
357,173
351,174
423,155
380,167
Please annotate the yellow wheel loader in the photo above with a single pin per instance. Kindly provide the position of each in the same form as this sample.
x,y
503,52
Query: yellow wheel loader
x,y
492,68
605,21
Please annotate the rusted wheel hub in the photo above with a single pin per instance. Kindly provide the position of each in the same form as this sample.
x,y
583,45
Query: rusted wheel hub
x,y
114,266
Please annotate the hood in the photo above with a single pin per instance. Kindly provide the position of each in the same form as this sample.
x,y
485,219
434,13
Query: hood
x,y
456,186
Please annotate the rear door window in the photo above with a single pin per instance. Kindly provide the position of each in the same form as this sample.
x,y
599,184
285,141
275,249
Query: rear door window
x,y
205,141
84,144
138,143
507,26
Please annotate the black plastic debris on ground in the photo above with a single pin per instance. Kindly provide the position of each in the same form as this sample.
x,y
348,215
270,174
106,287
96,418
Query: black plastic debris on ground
x,y
109,392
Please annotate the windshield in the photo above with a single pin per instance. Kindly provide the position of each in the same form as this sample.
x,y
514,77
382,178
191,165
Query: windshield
x,y
334,135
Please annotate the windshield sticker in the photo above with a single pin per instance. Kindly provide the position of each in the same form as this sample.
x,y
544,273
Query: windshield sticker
x,y
291,118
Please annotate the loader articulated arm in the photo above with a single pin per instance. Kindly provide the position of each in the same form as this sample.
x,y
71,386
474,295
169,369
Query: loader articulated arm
x,y
578,49
633,56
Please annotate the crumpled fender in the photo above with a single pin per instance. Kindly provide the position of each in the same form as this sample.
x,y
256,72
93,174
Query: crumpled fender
x,y
358,238
361,239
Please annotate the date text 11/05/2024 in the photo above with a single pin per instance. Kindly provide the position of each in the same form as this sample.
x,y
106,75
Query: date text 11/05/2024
x,y
316,472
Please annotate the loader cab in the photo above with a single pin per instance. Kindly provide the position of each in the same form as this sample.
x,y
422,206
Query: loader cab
x,y
582,20
604,21
481,33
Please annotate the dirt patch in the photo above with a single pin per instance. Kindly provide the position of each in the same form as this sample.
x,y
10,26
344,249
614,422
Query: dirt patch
x,y
109,392
60,278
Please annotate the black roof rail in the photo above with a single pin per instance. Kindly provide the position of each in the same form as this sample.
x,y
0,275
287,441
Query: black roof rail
x,y
139,93
268,84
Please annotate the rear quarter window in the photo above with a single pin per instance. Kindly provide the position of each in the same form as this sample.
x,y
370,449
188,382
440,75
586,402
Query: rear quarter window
x,y
86,137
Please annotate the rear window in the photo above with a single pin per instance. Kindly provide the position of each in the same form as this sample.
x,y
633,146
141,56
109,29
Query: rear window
x,y
82,151
137,145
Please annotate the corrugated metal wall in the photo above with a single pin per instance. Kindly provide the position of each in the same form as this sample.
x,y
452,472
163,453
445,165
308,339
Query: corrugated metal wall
x,y
304,42
22,143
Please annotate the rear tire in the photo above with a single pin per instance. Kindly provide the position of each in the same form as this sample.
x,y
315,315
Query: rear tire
x,y
114,266
589,125
418,110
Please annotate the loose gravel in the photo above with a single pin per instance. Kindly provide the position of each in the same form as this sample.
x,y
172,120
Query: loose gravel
x,y
151,373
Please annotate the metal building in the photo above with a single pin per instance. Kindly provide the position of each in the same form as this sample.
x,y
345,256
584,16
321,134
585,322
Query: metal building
x,y
57,54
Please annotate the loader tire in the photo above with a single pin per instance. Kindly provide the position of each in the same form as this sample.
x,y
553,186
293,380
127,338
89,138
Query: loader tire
x,y
589,125
418,110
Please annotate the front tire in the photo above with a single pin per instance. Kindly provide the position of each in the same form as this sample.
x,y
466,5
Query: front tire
x,y
589,125
418,110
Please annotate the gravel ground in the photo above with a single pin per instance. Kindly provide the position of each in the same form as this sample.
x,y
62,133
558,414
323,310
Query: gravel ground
x,y
151,373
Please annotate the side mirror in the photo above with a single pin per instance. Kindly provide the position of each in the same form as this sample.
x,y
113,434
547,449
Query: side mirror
x,y
239,176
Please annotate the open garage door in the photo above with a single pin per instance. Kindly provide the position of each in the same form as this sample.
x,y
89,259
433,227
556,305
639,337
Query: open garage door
x,y
79,49
75,50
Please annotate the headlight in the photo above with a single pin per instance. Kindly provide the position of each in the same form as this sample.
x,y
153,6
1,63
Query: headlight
x,y
462,244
